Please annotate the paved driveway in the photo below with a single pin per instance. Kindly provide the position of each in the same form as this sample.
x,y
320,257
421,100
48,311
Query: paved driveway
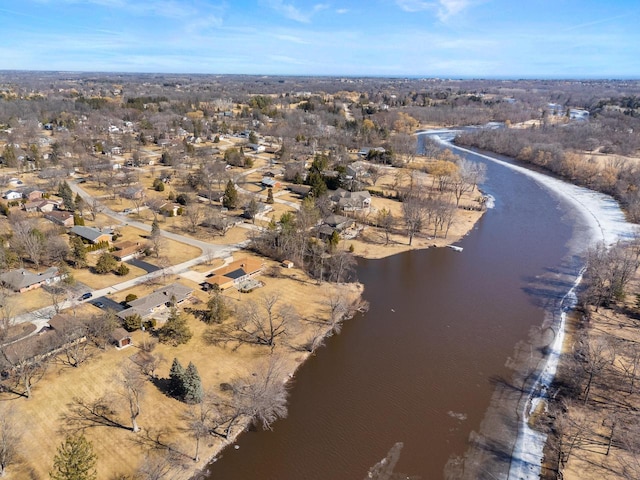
x,y
108,304
147,267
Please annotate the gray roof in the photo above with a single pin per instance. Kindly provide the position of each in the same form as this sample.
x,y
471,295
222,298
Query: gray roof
x,y
145,305
89,233
21,278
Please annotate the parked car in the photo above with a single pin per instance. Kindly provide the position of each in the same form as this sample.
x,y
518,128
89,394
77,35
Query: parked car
x,y
99,304
86,296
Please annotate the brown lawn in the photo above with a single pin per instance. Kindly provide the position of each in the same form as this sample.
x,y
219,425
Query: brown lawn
x,y
118,452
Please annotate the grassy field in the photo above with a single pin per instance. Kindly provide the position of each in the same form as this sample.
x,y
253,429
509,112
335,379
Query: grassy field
x,y
118,449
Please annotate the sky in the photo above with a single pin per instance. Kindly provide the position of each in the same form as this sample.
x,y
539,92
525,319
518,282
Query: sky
x,y
390,38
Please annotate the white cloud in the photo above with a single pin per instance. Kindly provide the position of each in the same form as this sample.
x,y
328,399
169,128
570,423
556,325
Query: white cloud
x,y
443,8
292,39
342,11
290,11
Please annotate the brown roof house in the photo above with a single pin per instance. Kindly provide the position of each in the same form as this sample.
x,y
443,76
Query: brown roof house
x,y
157,301
21,280
126,250
60,218
121,338
234,274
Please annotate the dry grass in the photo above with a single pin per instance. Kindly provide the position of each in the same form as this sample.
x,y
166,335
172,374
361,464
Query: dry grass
x,y
116,447
589,460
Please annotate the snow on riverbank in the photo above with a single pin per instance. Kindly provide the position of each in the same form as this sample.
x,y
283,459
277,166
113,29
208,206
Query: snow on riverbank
x,y
606,223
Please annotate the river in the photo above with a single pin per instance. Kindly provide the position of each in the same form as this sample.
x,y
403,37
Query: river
x,y
421,366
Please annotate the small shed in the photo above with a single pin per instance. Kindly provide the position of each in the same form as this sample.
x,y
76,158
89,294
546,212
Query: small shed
x,y
121,337
287,264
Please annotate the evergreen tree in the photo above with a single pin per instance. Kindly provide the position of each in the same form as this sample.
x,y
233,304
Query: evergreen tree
x,y
132,322
270,196
64,192
252,210
105,263
333,241
77,219
230,198
175,331
78,251
122,270
79,203
192,385
217,309
74,460
176,379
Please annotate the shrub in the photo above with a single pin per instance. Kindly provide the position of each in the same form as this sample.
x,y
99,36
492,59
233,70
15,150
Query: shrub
x,y
130,298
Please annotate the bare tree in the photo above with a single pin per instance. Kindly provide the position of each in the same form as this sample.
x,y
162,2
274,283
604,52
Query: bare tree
x,y
263,393
386,222
193,215
131,385
260,323
25,369
415,215
28,240
9,438
198,422
593,355
95,207
6,312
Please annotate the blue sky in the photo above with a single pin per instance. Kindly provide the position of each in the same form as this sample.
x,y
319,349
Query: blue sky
x,y
433,38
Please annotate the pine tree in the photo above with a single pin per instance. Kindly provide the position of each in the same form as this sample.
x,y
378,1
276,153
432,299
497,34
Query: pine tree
x,y
270,196
105,263
176,379
217,309
230,198
78,251
175,331
64,191
74,460
79,203
192,385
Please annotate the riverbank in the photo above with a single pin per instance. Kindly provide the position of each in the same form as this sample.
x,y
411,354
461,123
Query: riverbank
x,y
517,401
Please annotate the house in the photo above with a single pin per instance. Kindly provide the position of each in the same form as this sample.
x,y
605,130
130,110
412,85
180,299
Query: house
x,y
262,208
41,205
59,217
34,195
91,234
21,280
126,250
357,169
69,327
270,182
344,226
12,195
134,192
170,209
121,338
256,147
234,273
365,151
213,195
45,206
157,301
287,264
351,201
302,190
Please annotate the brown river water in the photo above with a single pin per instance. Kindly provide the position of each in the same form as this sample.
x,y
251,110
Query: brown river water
x,y
420,366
